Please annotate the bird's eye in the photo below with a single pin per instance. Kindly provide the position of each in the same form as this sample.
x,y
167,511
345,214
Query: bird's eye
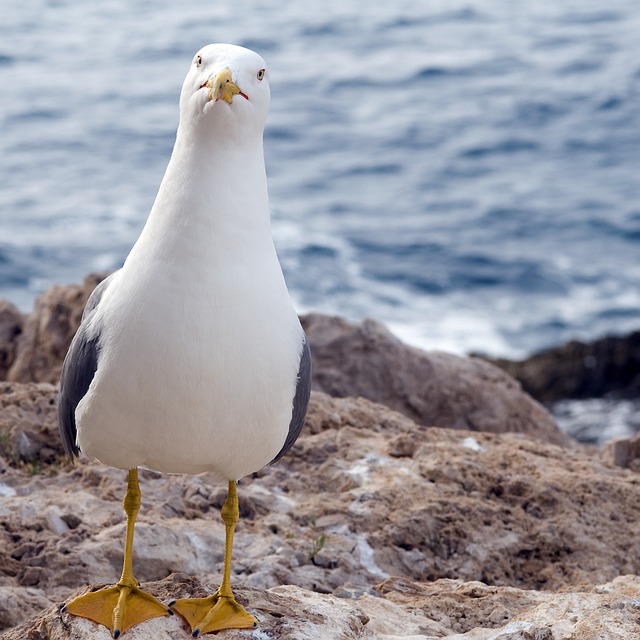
x,y
261,74
198,60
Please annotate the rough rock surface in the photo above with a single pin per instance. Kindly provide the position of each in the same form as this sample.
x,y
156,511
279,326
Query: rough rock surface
x,y
364,495
432,388
11,322
608,366
47,332
625,452
398,609
28,425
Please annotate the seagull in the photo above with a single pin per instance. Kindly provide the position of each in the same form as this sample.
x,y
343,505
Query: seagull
x,y
191,358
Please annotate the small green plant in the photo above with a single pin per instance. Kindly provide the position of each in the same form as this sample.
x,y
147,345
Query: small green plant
x,y
317,546
34,467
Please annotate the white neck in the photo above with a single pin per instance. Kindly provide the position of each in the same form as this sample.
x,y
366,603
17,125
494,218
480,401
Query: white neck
x,y
213,197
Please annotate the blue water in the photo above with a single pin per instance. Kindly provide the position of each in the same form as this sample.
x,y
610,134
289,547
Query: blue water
x,y
467,172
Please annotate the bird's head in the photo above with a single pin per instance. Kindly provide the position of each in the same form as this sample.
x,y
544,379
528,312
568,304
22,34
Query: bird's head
x,y
226,92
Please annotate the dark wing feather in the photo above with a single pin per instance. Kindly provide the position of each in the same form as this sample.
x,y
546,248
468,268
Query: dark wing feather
x,y
300,400
77,373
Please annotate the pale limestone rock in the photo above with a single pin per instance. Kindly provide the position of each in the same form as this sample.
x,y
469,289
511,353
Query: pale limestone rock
x,y
402,610
363,495
287,613
16,603
624,452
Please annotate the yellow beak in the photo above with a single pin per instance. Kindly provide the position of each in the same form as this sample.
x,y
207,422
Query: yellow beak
x,y
222,87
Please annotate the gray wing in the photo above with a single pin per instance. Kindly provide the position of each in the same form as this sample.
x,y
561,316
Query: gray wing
x,y
300,400
78,370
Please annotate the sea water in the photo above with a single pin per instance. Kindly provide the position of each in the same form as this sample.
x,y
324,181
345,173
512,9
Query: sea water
x,y
467,172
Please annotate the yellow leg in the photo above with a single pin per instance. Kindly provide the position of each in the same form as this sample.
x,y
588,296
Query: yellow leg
x,y
219,611
124,605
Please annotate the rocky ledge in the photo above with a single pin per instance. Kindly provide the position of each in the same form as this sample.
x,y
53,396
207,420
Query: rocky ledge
x,y
427,497
608,367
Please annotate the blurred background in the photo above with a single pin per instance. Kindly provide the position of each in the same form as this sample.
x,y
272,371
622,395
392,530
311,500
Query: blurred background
x,y
467,172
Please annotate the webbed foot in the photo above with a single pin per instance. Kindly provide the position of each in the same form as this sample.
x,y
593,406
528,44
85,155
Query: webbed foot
x,y
214,613
118,608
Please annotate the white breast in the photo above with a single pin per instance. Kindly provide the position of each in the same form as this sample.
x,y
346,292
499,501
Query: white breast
x,y
194,378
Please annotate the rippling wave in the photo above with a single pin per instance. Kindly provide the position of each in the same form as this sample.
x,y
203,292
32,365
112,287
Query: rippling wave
x,y
464,171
